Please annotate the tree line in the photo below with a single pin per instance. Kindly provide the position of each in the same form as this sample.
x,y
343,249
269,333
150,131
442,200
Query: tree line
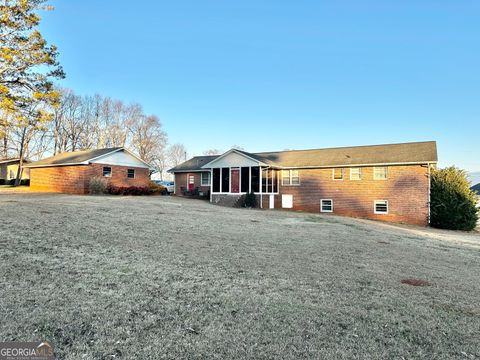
x,y
38,119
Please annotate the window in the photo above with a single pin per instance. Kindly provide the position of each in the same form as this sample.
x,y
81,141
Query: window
x,y
381,207
131,173
355,174
255,178
12,174
107,171
205,179
216,180
326,205
379,173
225,180
290,177
245,179
269,181
338,174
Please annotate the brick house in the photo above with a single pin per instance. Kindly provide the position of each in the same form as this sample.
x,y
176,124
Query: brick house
x,y
70,172
384,182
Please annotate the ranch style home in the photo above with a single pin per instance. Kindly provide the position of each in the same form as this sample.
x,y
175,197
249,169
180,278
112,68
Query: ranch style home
x,y
71,172
384,182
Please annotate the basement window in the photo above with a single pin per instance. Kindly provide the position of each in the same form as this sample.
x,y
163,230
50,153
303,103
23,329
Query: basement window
x,y
381,207
131,173
107,171
326,205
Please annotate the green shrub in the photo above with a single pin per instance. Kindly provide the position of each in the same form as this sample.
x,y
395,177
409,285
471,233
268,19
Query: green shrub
x,y
250,200
98,186
453,204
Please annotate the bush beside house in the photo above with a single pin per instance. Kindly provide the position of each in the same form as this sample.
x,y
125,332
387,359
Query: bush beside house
x,y
453,203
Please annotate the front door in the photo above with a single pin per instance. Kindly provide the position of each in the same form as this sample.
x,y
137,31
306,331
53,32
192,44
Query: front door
x,y
235,180
191,183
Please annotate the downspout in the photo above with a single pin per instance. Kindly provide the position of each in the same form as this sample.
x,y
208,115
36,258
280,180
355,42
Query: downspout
x,y
211,183
260,186
429,192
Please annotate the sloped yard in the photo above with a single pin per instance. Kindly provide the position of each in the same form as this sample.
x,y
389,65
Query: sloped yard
x,y
162,277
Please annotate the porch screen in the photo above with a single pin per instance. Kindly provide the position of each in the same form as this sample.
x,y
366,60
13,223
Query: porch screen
x,y
245,175
216,180
269,181
255,179
225,179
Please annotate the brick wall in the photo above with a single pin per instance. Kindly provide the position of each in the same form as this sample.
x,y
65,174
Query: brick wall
x,y
181,182
119,175
406,189
75,179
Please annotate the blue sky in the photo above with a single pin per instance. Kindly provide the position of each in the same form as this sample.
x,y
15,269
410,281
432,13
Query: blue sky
x,y
272,75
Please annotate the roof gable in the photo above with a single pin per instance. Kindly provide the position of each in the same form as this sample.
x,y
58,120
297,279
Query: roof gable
x,y
82,157
234,158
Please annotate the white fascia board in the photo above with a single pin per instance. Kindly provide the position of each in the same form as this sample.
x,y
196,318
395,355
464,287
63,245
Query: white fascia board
x,y
209,166
358,165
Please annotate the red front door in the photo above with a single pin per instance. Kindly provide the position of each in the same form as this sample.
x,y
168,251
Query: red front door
x,y
235,181
191,183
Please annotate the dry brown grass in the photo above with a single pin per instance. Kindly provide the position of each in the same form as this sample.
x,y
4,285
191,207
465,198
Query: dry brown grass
x,y
161,277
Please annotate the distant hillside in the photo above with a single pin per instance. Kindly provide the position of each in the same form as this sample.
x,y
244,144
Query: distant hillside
x,y
476,188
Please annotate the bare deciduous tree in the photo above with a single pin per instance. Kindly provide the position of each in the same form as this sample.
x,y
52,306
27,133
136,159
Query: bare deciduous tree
x,y
177,153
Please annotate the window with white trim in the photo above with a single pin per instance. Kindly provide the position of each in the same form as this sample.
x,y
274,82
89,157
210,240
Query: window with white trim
x,y
326,205
290,177
380,206
107,171
131,173
355,173
380,173
206,179
338,173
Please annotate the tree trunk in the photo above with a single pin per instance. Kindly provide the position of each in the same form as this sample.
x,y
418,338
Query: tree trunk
x,y
20,162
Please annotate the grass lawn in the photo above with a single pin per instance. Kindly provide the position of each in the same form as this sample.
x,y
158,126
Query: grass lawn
x,y
163,277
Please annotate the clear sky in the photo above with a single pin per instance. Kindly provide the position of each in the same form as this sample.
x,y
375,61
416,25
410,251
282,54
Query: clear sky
x,y
274,75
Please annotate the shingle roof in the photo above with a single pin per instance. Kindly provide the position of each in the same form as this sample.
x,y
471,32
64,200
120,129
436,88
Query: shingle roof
x,y
194,163
72,158
6,161
476,188
417,152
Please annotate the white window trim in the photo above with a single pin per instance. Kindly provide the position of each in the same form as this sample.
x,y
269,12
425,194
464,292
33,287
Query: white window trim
x,y
321,205
209,178
359,173
343,174
134,174
290,177
380,212
103,172
380,167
